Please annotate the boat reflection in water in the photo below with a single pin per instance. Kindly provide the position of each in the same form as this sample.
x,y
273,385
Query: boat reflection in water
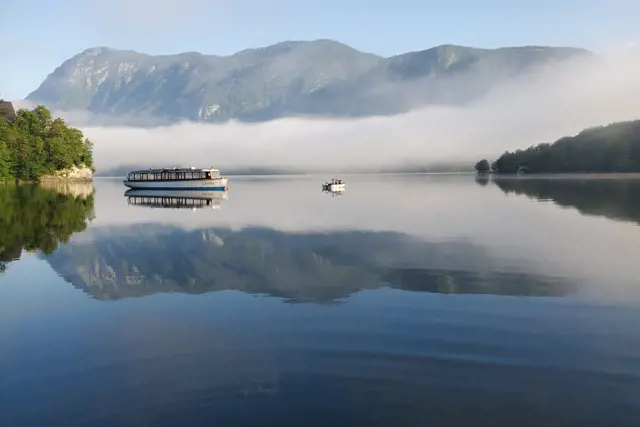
x,y
176,199
334,193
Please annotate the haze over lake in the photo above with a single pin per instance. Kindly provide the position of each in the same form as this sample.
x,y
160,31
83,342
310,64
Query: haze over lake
x,y
407,300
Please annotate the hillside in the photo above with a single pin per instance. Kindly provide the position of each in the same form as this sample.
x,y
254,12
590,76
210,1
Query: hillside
x,y
604,149
321,77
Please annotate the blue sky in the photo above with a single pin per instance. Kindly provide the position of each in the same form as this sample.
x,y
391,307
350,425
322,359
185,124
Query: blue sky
x,y
44,33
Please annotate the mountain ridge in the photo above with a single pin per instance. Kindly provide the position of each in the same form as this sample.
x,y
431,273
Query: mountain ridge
x,y
296,77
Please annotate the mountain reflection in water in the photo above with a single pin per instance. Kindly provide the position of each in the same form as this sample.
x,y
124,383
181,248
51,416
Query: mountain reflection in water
x,y
320,267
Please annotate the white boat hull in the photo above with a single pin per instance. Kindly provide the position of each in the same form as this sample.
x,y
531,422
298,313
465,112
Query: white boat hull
x,y
192,184
335,187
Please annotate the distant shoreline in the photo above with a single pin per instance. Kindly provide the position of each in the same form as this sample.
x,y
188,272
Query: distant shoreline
x,y
575,175
451,168
608,175
315,173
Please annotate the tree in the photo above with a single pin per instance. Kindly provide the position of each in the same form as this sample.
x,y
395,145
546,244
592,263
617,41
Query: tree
x,y
7,140
483,166
34,144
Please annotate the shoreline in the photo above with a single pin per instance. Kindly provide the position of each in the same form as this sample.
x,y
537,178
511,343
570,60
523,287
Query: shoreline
x,y
611,175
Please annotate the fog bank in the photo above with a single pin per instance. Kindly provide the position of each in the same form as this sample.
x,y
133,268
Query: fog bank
x,y
540,107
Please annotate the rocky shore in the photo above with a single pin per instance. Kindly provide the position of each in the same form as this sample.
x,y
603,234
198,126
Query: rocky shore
x,y
73,174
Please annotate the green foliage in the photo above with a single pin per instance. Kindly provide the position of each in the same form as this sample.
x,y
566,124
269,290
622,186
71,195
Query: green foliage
x,y
34,218
605,149
483,166
34,144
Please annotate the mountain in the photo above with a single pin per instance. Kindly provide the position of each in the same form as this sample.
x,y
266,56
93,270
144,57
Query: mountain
x,y
321,77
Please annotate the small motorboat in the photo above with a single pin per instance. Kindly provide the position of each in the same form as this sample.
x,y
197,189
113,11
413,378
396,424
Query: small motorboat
x,y
334,185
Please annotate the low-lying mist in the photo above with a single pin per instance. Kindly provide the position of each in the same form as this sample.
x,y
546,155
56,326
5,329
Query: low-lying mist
x,y
539,107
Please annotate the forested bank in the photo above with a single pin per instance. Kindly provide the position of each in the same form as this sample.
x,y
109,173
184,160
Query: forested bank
x,y
34,145
606,149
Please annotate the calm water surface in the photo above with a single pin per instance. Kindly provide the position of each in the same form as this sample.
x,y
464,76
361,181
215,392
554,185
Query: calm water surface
x,y
407,301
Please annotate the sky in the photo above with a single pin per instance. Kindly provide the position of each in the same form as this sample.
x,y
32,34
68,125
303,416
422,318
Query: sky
x,y
41,34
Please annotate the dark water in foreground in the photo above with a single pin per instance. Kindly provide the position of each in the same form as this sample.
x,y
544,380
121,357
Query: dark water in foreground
x,y
409,300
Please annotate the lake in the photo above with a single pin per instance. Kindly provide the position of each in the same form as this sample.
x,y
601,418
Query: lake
x,y
409,300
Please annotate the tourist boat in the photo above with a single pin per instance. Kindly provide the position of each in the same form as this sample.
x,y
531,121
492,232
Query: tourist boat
x,y
175,199
177,179
334,185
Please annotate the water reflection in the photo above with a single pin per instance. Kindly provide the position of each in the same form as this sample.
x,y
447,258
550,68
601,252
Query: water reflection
x,y
168,199
370,354
336,193
34,217
482,180
140,260
617,199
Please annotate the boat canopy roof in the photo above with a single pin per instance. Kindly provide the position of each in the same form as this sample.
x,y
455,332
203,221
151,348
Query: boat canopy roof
x,y
161,170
